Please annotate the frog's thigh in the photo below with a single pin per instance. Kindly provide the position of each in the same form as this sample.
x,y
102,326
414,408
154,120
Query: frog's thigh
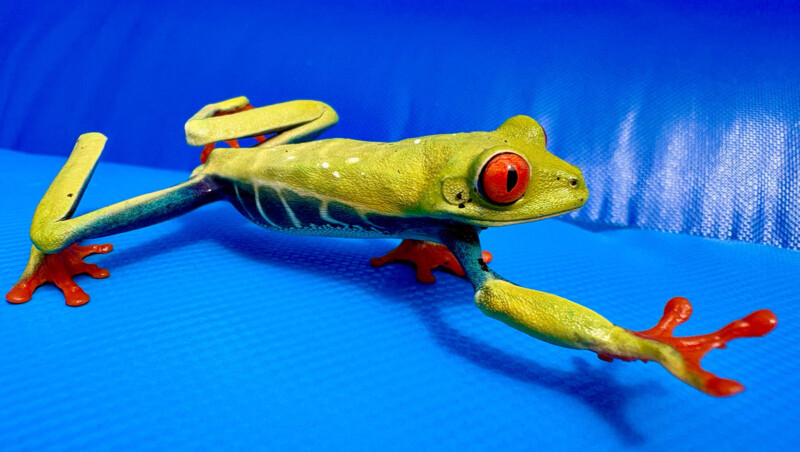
x,y
294,121
53,227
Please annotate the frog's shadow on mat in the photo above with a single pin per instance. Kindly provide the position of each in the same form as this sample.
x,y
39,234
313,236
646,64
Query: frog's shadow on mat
x,y
594,386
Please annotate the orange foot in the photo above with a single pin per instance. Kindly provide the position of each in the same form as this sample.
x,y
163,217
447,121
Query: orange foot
x,y
694,348
232,143
59,268
425,256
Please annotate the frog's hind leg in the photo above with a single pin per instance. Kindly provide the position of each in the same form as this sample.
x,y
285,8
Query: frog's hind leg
x,y
567,324
228,121
56,257
425,256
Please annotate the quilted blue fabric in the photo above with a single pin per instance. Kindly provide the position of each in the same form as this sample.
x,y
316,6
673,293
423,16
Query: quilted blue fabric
x,y
212,333
685,117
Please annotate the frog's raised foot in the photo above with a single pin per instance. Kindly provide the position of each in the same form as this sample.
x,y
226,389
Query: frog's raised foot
x,y
425,256
694,348
232,143
59,268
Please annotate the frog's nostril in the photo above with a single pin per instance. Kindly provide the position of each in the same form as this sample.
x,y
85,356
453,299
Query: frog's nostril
x,y
573,182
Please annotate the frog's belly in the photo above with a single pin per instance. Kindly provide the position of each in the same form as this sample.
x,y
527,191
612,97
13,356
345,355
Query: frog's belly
x,y
284,210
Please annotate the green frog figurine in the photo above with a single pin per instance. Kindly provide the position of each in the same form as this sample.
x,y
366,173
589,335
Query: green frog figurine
x,y
437,193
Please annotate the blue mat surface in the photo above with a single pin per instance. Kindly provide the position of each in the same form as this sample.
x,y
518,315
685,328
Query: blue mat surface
x,y
212,332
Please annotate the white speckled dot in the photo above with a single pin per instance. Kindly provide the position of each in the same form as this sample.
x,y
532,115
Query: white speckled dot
x,y
352,160
325,164
417,141
289,157
335,174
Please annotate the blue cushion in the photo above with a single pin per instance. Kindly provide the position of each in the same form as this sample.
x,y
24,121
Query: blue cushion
x,y
684,117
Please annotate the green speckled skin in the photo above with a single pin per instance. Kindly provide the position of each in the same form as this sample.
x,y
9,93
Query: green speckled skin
x,y
416,177
423,187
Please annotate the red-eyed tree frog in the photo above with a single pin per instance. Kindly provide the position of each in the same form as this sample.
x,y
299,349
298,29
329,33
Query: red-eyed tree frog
x,y
437,193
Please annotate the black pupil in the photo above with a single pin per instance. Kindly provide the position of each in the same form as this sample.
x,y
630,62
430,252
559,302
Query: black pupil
x,y
511,178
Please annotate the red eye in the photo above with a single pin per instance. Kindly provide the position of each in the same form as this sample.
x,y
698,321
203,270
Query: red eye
x,y
504,178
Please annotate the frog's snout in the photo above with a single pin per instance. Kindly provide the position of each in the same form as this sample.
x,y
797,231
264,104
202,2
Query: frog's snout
x,y
572,181
575,183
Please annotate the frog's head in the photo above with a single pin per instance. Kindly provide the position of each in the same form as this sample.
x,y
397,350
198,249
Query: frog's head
x,y
510,178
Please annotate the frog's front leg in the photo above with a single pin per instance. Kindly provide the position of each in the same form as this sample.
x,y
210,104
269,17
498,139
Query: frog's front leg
x,y
568,324
56,257
424,256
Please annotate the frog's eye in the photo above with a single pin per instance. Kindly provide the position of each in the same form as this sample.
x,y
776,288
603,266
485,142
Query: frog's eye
x,y
504,178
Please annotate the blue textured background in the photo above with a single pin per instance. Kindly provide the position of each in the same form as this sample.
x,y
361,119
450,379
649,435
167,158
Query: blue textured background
x,y
684,116
214,333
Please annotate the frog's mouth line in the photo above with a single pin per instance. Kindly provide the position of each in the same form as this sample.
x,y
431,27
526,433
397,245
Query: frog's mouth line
x,y
492,223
